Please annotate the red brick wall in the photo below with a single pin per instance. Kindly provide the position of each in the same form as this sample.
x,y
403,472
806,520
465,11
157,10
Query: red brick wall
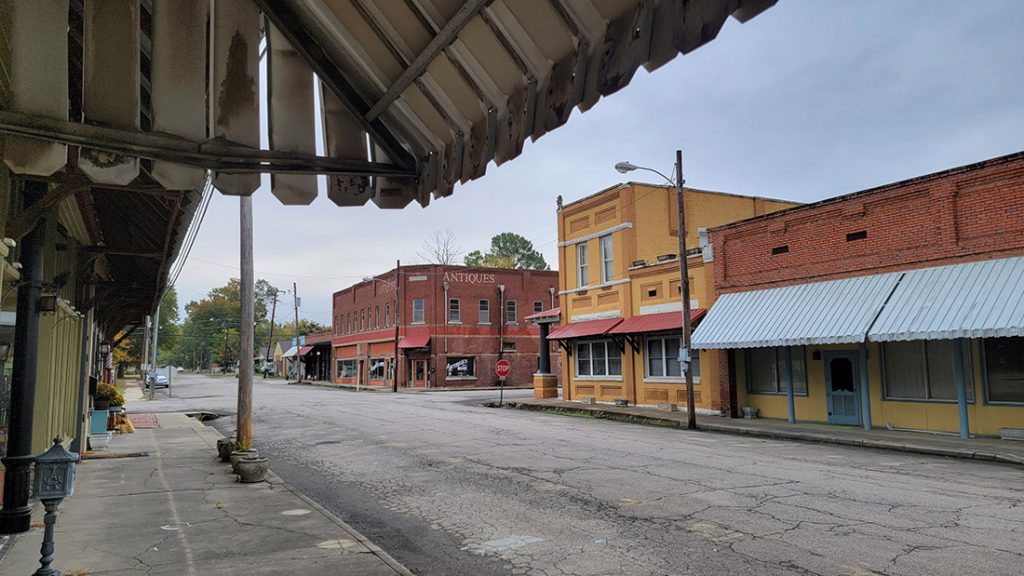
x,y
469,337
968,213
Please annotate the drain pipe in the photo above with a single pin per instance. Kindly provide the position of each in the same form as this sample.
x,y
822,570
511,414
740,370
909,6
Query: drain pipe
x,y
447,316
501,321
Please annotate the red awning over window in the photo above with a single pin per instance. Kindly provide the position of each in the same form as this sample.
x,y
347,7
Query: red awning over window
x,y
415,339
304,350
582,329
656,322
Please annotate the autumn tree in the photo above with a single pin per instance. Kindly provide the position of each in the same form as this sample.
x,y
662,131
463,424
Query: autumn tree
x,y
508,250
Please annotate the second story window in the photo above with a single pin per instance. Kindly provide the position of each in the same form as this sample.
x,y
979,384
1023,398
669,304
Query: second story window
x,y
362,320
581,264
485,312
417,311
538,306
510,312
454,311
606,259
387,315
376,316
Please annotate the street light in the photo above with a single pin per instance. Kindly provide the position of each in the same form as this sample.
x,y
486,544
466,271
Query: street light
x,y
684,279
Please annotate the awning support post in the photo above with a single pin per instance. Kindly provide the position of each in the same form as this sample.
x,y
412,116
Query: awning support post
x,y
545,350
789,385
865,392
961,387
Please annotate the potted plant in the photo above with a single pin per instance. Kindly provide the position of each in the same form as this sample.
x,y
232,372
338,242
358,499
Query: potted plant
x,y
107,396
225,446
252,469
238,455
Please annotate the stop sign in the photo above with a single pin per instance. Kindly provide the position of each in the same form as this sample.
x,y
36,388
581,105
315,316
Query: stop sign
x,y
502,369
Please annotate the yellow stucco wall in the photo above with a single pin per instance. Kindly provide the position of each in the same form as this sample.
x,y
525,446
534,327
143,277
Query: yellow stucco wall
x,y
651,212
984,419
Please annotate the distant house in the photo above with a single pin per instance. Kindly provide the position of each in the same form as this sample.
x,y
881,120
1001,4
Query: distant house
x,y
280,367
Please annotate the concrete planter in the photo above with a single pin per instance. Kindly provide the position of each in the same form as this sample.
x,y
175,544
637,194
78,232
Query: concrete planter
x,y
750,412
238,455
225,446
252,469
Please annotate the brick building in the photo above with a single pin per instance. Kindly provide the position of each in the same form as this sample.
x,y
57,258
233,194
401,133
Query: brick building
x,y
453,323
901,305
619,285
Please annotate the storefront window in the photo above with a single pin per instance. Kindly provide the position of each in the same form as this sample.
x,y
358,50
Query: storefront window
x,y
766,370
377,368
460,367
1004,369
417,311
924,370
345,368
600,358
663,357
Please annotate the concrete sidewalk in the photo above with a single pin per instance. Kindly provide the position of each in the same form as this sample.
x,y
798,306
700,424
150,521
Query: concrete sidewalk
x,y
179,511
990,449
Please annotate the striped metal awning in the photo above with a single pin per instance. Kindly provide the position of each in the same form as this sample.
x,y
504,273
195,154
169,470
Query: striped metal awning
x,y
411,96
971,300
831,312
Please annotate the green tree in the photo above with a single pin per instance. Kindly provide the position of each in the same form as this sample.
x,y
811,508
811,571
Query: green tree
x,y
508,250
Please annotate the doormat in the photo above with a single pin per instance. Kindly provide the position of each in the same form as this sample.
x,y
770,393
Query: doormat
x,y
144,420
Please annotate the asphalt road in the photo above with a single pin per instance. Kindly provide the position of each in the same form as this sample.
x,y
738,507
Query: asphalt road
x,y
449,487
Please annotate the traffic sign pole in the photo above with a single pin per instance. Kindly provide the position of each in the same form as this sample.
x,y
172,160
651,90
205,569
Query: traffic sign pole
x,y
503,368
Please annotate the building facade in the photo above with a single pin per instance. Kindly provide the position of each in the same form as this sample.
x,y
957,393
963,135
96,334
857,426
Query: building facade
x,y
899,306
447,326
619,289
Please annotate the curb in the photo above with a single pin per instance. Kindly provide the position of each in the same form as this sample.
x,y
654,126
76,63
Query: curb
x,y
786,435
407,390
274,479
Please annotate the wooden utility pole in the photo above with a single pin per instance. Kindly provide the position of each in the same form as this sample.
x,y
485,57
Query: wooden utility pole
x,y
245,330
270,337
298,341
684,289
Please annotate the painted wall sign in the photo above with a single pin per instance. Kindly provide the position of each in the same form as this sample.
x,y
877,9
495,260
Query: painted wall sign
x,y
469,277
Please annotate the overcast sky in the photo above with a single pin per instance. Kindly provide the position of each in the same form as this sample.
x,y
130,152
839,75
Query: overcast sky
x,y
809,100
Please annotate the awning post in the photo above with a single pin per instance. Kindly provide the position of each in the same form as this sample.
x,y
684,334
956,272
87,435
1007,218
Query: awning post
x,y
961,387
789,385
865,392
545,350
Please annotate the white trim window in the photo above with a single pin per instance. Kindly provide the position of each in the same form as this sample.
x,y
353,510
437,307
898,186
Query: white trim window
x,y
460,367
511,316
538,306
582,270
454,311
417,310
598,358
485,312
607,272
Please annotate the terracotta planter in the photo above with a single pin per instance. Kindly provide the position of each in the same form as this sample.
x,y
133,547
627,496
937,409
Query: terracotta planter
x,y
225,446
238,455
252,469
100,404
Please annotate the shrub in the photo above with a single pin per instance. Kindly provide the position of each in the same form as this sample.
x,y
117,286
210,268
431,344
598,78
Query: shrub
x,y
105,391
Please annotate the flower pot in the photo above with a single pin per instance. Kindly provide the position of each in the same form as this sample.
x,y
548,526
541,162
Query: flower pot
x,y
252,469
238,455
100,403
750,412
225,446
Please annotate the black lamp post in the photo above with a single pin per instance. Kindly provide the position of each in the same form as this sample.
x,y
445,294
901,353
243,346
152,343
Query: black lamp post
x,y
54,481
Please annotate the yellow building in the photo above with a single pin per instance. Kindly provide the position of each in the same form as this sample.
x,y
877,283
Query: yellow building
x,y
619,290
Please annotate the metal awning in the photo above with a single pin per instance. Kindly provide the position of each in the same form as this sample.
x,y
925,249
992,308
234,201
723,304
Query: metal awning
x,y
831,312
584,329
972,300
413,97
546,316
291,352
305,350
415,339
655,322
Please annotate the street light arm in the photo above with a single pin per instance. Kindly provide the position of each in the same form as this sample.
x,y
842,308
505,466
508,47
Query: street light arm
x,y
624,167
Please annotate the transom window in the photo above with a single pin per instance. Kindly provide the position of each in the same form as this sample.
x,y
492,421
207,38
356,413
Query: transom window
x,y
454,311
460,366
923,370
598,358
606,259
417,311
766,370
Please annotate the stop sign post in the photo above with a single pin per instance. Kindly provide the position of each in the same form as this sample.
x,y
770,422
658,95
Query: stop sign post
x,y
502,369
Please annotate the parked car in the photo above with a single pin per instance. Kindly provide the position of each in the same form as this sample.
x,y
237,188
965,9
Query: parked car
x,y
157,381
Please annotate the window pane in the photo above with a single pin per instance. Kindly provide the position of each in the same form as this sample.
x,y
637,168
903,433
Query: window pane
x,y
606,258
904,370
672,367
600,358
799,370
1004,364
454,311
417,310
655,358
581,264
583,359
695,364
941,372
538,306
460,366
614,360
377,367
510,312
485,311
761,370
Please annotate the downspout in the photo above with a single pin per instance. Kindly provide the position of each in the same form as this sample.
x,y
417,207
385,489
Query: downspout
x,y
551,292
447,316
397,320
501,320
